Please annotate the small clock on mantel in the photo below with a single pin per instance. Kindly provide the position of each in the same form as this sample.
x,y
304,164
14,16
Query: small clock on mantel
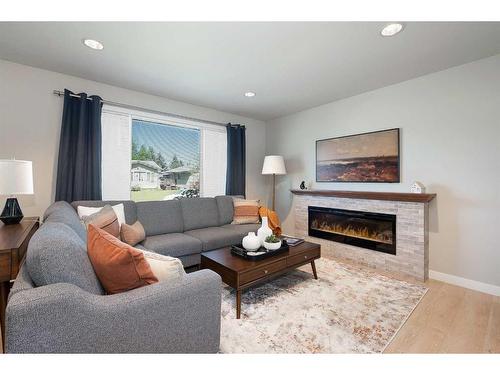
x,y
418,188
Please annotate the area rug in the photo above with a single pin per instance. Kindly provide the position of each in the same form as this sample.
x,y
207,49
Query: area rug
x,y
348,310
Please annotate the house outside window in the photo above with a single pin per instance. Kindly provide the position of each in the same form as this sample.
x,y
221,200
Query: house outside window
x,y
150,157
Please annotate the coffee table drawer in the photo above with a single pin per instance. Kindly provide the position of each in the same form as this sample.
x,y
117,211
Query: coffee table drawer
x,y
261,272
306,256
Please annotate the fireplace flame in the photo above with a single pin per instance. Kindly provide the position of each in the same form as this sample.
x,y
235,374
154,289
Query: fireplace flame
x,y
349,230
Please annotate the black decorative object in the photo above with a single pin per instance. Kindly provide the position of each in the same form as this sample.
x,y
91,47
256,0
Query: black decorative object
x,y
11,213
79,162
303,185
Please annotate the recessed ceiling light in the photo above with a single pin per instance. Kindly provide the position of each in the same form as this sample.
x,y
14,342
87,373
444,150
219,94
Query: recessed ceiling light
x,y
249,94
391,29
94,44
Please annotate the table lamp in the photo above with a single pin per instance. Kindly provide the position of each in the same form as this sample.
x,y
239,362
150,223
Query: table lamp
x,y
16,177
274,164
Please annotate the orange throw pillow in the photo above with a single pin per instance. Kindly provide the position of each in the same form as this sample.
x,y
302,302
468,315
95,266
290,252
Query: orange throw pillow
x,y
118,266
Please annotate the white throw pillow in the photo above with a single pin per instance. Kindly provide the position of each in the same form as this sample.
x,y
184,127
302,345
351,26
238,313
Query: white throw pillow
x,y
164,267
87,211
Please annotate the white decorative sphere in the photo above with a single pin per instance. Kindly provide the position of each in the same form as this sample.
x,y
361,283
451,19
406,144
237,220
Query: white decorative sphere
x,y
251,242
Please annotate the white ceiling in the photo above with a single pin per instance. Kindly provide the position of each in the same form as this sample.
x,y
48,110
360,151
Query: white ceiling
x,y
291,66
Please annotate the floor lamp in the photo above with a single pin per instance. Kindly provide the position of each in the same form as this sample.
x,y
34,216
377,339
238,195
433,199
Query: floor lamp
x,y
274,164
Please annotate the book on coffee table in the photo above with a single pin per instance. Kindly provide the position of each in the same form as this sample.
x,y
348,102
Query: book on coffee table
x,y
292,241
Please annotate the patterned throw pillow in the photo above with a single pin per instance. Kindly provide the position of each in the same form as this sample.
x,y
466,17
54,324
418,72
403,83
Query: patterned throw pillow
x,y
133,234
246,211
104,219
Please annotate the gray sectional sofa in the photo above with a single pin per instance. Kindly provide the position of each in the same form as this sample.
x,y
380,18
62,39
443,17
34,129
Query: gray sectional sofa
x,y
183,228
57,304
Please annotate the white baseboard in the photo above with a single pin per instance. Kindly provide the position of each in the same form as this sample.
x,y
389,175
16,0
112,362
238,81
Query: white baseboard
x,y
465,283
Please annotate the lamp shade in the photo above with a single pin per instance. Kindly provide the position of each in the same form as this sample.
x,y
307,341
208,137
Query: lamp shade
x,y
16,177
274,164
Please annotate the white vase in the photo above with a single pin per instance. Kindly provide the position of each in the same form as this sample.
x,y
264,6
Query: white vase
x,y
264,231
251,242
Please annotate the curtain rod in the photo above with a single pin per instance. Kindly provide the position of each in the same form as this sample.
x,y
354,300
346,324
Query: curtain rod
x,y
129,106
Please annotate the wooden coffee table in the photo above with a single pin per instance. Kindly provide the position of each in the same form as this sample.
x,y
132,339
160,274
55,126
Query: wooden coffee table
x,y
240,273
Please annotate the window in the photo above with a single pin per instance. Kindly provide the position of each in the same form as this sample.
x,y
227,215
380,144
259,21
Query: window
x,y
150,157
170,157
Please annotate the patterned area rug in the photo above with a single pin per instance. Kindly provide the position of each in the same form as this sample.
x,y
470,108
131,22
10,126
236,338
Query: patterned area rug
x,y
348,310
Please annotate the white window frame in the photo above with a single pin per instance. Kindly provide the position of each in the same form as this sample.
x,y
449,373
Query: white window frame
x,y
170,121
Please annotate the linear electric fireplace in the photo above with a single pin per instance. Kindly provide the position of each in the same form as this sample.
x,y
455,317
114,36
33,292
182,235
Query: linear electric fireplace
x,y
369,230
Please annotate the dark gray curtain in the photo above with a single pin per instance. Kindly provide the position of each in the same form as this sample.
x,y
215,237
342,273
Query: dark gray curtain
x,y
236,160
79,161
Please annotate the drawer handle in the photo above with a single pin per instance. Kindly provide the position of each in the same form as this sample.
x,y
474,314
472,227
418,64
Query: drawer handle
x,y
265,271
305,256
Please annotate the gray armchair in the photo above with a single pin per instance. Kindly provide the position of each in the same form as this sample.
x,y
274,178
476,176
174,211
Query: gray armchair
x,y
178,317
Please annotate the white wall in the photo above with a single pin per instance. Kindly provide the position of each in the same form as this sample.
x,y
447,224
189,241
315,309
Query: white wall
x,y
450,134
30,121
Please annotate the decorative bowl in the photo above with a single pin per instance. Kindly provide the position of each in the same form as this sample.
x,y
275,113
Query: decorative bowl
x,y
272,245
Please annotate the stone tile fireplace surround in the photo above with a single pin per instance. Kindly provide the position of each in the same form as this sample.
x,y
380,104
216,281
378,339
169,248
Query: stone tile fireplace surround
x,y
412,233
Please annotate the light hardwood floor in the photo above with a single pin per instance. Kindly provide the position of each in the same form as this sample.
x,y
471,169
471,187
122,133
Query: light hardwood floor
x,y
450,319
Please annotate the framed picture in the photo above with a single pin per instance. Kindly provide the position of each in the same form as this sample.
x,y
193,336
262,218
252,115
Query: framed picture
x,y
367,157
